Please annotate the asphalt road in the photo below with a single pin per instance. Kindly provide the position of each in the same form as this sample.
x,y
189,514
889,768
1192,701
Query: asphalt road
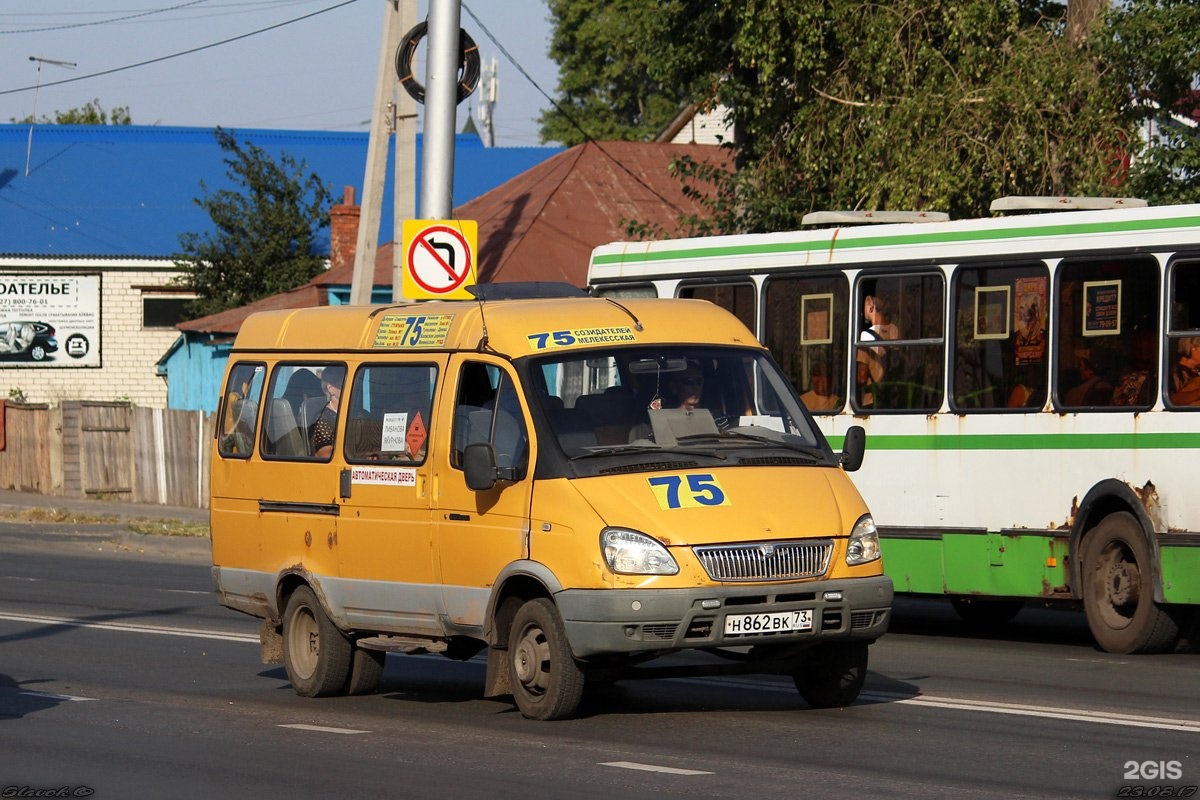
x,y
121,677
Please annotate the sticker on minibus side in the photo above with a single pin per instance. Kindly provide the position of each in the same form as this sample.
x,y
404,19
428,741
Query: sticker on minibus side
x,y
397,331
553,340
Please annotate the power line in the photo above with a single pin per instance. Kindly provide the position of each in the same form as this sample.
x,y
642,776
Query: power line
x,y
106,21
183,52
587,136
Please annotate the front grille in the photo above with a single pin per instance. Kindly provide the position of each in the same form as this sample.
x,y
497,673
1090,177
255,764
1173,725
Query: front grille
x,y
766,561
659,632
865,619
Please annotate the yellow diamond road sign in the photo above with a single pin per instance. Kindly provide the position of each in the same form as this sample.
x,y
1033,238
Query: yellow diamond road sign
x,y
439,258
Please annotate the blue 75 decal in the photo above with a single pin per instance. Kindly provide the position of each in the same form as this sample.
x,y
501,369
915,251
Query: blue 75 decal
x,y
688,491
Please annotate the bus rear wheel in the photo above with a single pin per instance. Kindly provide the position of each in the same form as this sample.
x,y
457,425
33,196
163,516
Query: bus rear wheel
x,y
832,674
1118,590
315,653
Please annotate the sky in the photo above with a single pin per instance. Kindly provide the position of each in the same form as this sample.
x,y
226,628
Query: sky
x,y
315,69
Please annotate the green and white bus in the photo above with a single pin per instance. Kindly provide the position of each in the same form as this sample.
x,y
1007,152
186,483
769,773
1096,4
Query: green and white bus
x,y
1025,382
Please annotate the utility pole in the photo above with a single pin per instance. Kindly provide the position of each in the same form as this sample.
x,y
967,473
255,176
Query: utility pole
x,y
490,89
404,196
36,86
393,112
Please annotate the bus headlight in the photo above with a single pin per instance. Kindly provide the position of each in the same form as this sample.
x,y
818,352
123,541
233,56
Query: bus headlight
x,y
864,542
631,553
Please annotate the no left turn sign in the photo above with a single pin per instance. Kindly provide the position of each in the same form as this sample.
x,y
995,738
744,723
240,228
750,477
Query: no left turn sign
x,y
439,258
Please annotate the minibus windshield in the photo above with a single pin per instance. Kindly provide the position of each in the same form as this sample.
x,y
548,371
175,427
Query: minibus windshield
x,y
702,399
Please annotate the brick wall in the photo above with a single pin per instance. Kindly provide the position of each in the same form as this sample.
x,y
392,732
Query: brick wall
x,y
129,351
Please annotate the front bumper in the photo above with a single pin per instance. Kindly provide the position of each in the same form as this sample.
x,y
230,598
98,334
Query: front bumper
x,y
610,621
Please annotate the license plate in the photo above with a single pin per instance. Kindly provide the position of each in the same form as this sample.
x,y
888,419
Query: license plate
x,y
773,622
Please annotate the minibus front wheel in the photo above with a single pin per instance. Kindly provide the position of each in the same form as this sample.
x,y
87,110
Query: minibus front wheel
x,y
546,682
315,653
832,674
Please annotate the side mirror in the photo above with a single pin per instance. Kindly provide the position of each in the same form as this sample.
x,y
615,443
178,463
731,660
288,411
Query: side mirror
x,y
479,465
853,448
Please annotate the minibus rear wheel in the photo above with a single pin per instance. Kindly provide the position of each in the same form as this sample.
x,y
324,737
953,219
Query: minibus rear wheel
x,y
832,674
546,682
315,653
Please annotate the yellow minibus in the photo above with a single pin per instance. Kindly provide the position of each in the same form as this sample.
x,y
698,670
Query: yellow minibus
x,y
573,485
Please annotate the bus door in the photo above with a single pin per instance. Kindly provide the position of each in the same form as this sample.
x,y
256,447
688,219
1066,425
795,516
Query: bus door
x,y
276,490
385,541
479,532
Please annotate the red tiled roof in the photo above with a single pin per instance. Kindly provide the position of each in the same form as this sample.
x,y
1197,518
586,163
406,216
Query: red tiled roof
x,y
540,225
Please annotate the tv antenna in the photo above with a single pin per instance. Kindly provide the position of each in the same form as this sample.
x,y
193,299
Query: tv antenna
x,y
37,85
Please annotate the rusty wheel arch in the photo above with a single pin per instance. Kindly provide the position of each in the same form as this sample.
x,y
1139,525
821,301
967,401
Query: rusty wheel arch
x,y
1110,496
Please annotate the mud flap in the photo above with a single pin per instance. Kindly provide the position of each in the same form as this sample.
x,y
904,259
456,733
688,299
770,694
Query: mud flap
x,y
271,640
497,680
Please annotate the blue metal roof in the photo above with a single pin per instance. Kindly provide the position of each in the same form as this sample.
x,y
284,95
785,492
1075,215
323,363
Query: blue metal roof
x,y
130,190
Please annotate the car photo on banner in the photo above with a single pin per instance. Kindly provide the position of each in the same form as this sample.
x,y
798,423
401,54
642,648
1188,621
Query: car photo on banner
x,y
26,339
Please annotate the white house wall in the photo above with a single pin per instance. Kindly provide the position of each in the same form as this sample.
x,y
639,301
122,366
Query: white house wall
x,y
129,351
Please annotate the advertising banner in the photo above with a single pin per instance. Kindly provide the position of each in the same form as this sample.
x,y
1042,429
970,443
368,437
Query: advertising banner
x,y
49,320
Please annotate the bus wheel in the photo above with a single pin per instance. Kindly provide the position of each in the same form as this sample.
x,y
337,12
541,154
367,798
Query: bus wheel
x,y
366,671
546,682
315,653
832,674
1118,594
986,613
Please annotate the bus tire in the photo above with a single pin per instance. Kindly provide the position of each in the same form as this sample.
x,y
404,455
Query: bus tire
x,y
366,671
832,674
315,653
546,682
1118,591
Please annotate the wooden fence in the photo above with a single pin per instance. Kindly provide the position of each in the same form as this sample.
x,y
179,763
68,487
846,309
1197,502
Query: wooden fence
x,y
106,450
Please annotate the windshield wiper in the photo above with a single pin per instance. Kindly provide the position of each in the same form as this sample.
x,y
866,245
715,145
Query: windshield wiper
x,y
813,453
641,448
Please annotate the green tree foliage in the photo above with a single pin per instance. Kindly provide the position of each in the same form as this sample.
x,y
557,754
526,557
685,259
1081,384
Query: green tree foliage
x,y
91,113
265,237
912,104
1154,52
606,89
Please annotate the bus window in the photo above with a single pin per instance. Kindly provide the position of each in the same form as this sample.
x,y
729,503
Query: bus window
x,y
1107,333
738,299
899,347
1183,337
805,330
487,409
389,413
295,401
1000,352
239,414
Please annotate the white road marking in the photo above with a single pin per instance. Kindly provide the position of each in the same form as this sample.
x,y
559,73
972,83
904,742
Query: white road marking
x,y
183,591
930,701
59,697
1018,709
653,768
321,729
160,630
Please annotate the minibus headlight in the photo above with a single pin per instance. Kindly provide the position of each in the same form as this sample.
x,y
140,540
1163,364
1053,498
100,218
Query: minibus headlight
x,y
864,542
631,553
